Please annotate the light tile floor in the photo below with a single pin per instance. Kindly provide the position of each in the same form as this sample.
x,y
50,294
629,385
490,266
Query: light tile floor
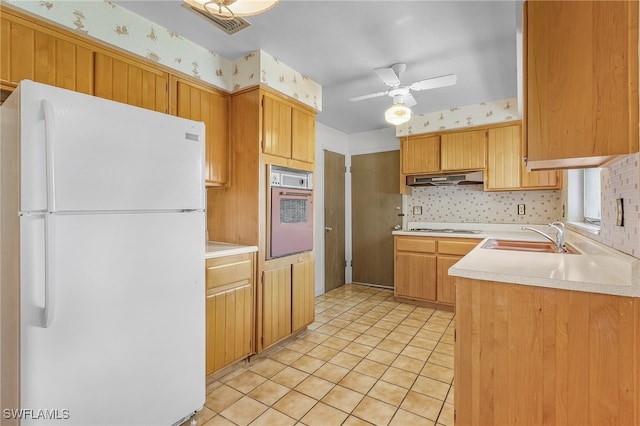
x,y
367,359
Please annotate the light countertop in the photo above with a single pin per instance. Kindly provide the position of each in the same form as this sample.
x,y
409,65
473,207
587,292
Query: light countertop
x,y
597,269
218,249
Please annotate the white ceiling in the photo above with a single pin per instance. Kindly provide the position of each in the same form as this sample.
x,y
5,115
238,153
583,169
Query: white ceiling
x,y
338,44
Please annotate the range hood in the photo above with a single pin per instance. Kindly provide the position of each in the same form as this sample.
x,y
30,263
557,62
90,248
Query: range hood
x,y
467,178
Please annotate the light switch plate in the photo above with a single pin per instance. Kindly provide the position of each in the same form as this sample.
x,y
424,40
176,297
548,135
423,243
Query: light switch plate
x,y
417,210
620,212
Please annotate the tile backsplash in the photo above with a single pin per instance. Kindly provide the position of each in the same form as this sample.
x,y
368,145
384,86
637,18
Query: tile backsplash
x,y
471,204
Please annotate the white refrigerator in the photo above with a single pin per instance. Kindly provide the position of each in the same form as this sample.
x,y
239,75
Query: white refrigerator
x,y
102,225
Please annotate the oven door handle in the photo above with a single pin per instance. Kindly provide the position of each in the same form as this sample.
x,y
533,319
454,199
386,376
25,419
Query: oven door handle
x,y
297,194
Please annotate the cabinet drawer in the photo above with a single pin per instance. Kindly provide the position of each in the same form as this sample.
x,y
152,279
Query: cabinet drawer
x,y
223,271
456,247
419,244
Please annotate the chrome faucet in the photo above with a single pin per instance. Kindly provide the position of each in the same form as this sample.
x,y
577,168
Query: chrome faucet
x,y
558,240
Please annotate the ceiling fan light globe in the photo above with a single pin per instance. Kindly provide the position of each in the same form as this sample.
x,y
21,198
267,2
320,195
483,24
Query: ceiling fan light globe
x,y
397,114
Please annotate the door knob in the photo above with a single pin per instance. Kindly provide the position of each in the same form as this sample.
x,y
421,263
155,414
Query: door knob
x,y
328,228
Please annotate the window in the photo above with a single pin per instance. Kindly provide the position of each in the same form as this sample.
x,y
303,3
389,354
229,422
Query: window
x,y
592,211
584,199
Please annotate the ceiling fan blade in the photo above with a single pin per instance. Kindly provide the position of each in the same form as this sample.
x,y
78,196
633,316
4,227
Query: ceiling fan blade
x,y
388,76
435,82
373,95
409,100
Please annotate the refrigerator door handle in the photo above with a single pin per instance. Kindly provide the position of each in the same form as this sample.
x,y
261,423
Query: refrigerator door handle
x,y
49,271
50,133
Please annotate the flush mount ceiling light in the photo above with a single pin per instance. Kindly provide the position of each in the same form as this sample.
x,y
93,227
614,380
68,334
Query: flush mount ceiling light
x,y
229,9
398,114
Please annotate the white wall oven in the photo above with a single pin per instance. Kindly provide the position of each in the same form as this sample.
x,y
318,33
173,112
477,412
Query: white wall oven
x,y
291,213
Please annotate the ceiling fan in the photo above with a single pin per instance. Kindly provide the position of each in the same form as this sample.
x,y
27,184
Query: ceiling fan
x,y
403,100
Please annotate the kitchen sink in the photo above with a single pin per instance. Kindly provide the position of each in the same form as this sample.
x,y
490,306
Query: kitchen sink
x,y
532,246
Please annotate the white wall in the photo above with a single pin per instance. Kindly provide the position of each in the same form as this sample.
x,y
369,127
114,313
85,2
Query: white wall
x,y
374,141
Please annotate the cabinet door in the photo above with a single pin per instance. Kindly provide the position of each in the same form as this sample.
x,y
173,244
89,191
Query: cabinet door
x,y
420,154
571,110
463,150
302,295
415,276
303,135
276,305
503,158
202,104
39,56
276,127
446,284
550,179
228,328
130,83
229,320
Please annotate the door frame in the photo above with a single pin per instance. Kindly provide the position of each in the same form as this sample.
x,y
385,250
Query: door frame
x,y
348,145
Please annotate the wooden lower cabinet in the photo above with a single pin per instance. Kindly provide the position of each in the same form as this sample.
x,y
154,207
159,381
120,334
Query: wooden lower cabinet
x,y
302,295
276,305
528,355
287,300
421,267
229,310
415,276
446,287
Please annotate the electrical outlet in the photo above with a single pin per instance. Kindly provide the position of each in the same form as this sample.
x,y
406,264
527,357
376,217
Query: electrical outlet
x,y
520,209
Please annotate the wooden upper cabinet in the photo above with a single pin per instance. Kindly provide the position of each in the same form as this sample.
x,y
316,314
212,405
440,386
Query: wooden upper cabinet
x,y
276,127
131,83
200,103
581,82
420,154
287,131
503,160
463,150
505,165
303,135
41,56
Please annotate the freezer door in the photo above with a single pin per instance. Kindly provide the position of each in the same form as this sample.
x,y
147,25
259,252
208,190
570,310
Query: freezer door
x,y
126,343
99,155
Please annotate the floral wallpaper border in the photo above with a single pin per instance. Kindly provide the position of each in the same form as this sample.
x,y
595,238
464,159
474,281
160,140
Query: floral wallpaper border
x,y
106,21
464,116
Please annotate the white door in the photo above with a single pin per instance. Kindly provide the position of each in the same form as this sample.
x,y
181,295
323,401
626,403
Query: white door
x,y
126,342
